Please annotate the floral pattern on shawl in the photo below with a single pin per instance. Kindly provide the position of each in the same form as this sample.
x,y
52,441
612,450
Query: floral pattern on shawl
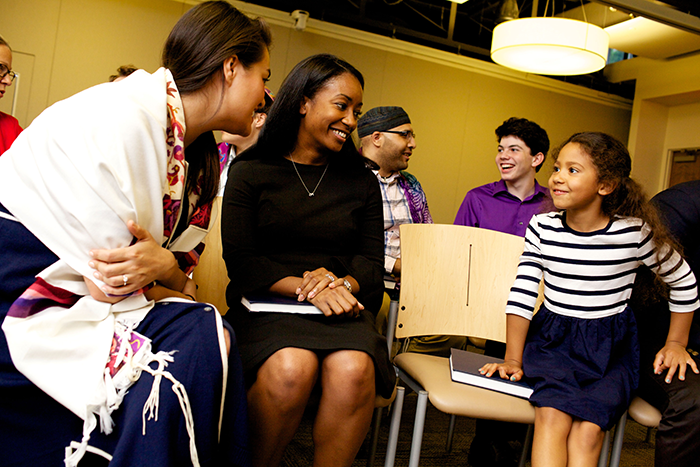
x,y
177,167
176,177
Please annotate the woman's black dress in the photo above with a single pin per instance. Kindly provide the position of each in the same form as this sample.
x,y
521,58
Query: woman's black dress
x,y
271,228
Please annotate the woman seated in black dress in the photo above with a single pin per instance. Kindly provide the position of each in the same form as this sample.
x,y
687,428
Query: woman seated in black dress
x,y
302,218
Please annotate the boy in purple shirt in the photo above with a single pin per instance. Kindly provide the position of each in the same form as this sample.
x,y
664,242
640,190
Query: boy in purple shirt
x,y
508,204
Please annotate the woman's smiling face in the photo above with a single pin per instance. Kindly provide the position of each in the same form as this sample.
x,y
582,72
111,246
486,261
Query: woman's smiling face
x,y
331,115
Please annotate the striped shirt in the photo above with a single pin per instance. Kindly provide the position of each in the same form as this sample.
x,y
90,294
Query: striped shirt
x,y
396,213
591,274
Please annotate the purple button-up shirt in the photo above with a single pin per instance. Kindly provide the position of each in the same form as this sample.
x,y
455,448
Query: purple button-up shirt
x,y
491,206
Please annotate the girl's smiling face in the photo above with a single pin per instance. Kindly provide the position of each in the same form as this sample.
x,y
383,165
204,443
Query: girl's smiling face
x,y
574,183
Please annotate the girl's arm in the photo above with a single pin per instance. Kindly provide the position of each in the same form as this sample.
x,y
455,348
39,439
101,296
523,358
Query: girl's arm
x,y
512,366
673,355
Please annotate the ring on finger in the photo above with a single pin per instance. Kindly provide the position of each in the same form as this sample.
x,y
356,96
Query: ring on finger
x,y
330,277
125,279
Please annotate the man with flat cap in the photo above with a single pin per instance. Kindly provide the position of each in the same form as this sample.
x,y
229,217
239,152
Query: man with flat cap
x,y
387,139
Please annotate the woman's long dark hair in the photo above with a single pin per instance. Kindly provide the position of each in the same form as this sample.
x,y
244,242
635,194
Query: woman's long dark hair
x,y
194,52
280,132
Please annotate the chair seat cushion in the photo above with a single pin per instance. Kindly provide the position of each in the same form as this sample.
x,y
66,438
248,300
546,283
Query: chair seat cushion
x,y
644,413
433,373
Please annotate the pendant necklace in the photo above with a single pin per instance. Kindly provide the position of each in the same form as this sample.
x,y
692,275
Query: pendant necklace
x,y
311,193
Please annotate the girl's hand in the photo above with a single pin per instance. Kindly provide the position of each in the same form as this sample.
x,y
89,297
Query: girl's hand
x,y
313,282
510,369
125,270
337,301
674,357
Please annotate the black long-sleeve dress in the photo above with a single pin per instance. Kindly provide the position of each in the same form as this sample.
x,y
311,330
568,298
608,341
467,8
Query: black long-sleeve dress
x,y
271,228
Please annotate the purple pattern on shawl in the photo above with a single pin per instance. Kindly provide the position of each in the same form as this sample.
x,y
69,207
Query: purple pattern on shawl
x,y
39,296
224,149
417,202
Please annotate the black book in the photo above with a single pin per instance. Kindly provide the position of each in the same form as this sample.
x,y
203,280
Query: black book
x,y
464,367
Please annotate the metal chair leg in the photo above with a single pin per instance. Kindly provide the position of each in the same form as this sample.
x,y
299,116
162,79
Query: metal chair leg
x,y
394,427
605,450
617,441
450,433
418,426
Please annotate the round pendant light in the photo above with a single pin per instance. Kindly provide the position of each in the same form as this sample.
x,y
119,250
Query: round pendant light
x,y
550,46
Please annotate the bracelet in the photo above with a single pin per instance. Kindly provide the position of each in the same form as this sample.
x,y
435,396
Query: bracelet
x,y
191,297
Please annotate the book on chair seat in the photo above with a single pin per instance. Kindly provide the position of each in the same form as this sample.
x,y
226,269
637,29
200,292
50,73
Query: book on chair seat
x,y
464,367
278,304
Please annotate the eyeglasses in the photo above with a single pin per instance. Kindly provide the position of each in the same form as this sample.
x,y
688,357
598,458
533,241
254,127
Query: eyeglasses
x,y
4,71
407,134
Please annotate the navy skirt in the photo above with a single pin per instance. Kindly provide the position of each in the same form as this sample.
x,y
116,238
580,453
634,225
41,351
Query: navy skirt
x,y
35,429
587,368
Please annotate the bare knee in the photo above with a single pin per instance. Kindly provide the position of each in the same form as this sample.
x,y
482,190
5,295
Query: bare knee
x,y
553,421
587,435
351,370
551,416
288,376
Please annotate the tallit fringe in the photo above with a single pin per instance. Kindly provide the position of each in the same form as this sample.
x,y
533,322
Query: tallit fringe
x,y
116,388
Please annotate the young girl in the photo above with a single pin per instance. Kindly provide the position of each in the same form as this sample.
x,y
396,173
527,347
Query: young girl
x,y
580,352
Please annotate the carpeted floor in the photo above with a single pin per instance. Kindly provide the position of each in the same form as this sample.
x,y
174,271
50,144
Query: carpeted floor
x,y
637,452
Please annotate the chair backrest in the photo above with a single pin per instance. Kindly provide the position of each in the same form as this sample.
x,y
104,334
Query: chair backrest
x,y
210,274
455,280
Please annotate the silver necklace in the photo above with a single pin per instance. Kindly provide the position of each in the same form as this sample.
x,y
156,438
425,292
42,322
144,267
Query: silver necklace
x,y
311,193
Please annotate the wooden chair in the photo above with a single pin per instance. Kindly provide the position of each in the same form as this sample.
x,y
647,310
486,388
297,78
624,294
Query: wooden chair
x,y
455,280
210,274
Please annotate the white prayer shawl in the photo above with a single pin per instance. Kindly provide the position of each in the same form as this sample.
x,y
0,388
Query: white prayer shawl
x,y
74,177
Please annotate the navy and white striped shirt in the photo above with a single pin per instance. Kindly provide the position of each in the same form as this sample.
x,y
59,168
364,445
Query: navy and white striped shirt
x,y
591,274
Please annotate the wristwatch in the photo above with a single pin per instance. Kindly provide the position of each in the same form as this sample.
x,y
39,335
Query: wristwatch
x,y
347,285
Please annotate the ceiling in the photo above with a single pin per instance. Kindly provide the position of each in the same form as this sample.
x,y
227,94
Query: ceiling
x,y
468,32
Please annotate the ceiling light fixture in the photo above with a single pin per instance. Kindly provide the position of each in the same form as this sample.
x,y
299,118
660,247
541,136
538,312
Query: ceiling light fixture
x,y
457,1
550,46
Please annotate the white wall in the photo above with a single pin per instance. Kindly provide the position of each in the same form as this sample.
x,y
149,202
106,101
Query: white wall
x,y
665,114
